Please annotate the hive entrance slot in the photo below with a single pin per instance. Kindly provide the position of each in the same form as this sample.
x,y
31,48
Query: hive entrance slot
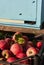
x,y
30,22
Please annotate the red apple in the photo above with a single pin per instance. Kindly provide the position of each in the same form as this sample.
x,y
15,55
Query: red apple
x,y
20,55
3,45
26,38
39,44
11,59
6,53
16,48
29,44
9,41
31,51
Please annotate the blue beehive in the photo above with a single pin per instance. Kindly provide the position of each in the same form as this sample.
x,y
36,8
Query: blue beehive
x,y
29,11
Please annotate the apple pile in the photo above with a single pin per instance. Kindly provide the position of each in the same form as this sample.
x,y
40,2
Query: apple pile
x,y
18,47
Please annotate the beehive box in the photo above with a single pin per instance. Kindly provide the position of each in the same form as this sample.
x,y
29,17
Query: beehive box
x,y
22,16
30,13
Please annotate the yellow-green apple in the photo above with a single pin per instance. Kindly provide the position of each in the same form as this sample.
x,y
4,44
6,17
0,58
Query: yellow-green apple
x,y
21,41
16,36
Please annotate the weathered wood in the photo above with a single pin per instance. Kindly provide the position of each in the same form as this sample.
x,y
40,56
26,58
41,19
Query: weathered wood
x,y
23,30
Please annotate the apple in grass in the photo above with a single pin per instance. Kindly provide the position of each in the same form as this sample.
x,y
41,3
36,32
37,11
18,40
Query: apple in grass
x,y
16,48
7,53
31,51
